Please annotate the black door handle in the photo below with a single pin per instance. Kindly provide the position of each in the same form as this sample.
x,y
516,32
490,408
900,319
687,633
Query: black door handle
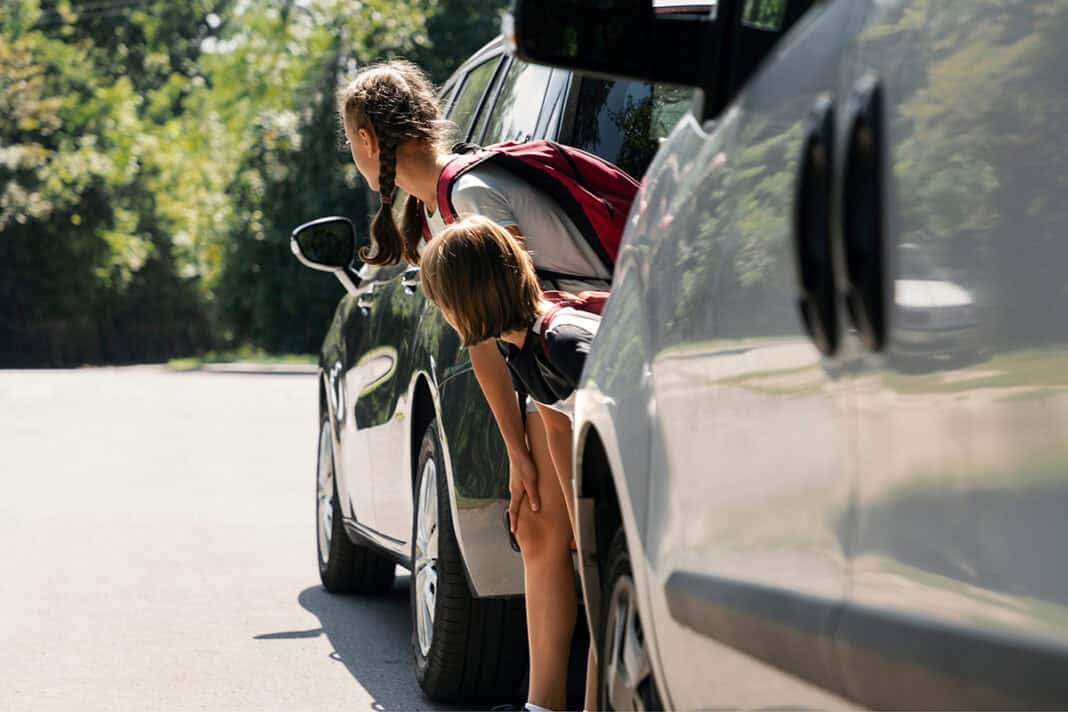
x,y
863,228
410,280
812,229
366,299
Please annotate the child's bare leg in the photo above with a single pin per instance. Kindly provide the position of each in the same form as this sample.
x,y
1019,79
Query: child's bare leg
x,y
544,538
558,434
558,431
591,679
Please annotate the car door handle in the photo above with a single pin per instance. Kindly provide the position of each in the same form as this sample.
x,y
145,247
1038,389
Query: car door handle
x,y
864,185
410,280
812,229
366,299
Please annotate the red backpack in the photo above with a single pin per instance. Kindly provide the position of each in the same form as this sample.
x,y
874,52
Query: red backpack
x,y
594,193
589,301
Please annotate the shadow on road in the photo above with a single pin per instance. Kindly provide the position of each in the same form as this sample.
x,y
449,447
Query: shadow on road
x,y
371,636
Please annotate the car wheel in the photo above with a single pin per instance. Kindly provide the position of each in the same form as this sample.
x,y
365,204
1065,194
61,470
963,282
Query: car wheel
x,y
465,648
625,673
344,567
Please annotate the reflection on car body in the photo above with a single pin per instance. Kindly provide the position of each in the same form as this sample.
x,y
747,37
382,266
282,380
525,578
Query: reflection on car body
x,y
935,316
810,527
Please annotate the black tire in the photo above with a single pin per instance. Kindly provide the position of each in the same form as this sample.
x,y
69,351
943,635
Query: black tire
x,y
478,647
618,579
345,567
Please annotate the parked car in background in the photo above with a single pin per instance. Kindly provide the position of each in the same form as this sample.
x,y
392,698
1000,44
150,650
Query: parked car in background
x,y
937,318
772,514
412,469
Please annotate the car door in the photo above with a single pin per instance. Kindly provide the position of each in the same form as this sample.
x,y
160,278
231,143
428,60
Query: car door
x,y
393,329
959,579
748,516
349,379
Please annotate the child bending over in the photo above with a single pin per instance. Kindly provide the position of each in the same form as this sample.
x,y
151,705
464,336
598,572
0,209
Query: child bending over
x,y
484,282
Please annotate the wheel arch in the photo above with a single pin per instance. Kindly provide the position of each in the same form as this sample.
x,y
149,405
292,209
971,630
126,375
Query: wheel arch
x,y
324,401
423,412
600,516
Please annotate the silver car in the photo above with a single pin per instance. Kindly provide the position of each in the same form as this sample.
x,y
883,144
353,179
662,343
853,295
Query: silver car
x,y
772,513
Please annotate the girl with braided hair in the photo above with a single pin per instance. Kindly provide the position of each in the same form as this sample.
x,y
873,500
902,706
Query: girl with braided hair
x,y
393,123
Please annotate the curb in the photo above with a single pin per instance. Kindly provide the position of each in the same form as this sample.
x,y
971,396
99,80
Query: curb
x,y
267,369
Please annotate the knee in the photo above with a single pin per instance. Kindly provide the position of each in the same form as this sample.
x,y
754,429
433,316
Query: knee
x,y
541,534
554,421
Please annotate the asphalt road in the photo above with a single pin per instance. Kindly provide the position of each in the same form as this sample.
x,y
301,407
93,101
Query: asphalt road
x,y
158,551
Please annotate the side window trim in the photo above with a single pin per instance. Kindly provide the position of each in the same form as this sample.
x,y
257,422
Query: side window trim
x,y
493,91
549,121
481,106
462,84
448,98
544,98
566,131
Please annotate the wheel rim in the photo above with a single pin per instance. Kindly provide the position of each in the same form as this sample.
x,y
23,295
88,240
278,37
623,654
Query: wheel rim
x,y
626,659
426,556
325,494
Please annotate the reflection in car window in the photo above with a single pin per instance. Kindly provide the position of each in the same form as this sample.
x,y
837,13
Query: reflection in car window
x,y
764,14
624,121
515,115
463,111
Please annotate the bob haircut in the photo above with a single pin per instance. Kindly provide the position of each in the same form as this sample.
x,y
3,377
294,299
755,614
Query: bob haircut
x,y
479,275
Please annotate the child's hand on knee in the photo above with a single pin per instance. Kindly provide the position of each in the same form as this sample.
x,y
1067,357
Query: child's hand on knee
x,y
522,482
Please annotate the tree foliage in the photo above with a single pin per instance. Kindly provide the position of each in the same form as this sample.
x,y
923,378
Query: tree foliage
x,y
154,157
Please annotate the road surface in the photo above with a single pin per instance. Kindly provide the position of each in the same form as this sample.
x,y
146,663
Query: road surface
x,y
158,543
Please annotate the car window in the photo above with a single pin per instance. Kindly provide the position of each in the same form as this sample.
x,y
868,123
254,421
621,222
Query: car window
x,y
764,14
623,121
467,101
519,103
486,112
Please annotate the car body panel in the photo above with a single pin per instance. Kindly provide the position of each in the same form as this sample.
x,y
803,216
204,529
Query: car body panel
x,y
963,452
751,439
882,527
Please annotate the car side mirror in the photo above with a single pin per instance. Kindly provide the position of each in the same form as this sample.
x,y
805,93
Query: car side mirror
x,y
626,38
329,245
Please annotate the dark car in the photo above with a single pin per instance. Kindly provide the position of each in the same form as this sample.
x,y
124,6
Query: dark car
x,y
774,514
412,469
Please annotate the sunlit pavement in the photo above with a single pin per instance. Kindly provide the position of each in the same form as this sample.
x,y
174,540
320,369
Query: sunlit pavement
x,y
157,531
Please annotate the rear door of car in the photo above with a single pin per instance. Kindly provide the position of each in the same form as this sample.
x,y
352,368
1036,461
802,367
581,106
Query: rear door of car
x,y
748,515
960,583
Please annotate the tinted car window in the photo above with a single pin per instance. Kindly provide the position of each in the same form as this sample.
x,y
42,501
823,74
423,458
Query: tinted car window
x,y
515,115
466,104
624,121
487,112
764,14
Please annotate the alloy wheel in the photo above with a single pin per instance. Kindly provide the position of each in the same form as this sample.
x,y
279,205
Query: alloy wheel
x,y
627,668
325,494
426,555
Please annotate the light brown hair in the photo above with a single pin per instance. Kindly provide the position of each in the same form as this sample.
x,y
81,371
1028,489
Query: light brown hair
x,y
396,102
482,278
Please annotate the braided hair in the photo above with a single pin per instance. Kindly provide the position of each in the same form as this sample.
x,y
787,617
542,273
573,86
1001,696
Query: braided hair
x,y
396,102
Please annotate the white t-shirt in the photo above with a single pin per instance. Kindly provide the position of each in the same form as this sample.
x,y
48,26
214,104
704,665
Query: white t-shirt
x,y
554,243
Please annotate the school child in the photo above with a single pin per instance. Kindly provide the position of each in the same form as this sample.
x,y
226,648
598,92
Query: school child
x,y
484,282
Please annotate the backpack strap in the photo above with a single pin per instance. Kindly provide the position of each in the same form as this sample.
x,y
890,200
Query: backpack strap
x,y
546,320
558,300
422,217
468,157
